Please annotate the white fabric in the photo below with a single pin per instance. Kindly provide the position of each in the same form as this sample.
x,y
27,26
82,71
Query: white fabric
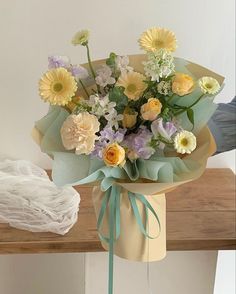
x,y
30,201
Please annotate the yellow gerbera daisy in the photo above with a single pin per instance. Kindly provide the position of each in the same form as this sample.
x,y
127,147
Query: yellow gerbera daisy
x,y
134,85
57,86
158,38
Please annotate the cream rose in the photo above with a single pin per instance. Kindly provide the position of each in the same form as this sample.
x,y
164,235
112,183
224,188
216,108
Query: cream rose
x,y
182,84
151,109
79,132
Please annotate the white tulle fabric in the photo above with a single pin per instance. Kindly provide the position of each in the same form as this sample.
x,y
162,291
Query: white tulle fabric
x,y
30,201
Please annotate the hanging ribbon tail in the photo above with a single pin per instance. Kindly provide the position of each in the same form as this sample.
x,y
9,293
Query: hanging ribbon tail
x,y
147,206
111,204
111,241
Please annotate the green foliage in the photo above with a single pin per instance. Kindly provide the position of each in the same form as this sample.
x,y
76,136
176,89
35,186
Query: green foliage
x,y
117,95
81,107
111,61
166,114
190,115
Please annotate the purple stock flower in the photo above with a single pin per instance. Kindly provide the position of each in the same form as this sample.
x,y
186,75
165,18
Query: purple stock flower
x,y
98,149
166,130
140,143
107,136
55,61
78,71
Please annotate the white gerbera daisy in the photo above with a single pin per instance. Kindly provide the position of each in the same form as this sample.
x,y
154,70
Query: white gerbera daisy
x,y
209,85
81,38
185,142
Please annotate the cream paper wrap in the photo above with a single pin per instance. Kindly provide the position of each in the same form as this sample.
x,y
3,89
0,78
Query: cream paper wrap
x,y
132,244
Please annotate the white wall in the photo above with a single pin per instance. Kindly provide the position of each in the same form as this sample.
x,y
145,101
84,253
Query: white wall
x,y
225,273
179,273
42,274
31,30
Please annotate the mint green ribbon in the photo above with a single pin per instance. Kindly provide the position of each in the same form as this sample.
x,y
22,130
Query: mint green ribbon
x,y
111,200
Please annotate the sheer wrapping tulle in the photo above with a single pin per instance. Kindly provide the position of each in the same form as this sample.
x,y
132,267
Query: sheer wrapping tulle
x,y
30,201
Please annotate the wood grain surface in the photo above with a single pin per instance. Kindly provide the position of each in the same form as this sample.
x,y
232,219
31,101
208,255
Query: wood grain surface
x,y
200,216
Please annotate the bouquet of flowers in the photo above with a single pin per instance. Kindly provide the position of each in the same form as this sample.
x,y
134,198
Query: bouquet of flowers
x,y
134,127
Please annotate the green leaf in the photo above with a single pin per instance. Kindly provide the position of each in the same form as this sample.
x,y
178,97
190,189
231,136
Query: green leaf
x,y
117,95
111,61
190,115
166,114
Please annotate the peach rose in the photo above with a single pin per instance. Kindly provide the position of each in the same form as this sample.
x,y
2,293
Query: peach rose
x,y
114,155
129,118
79,132
151,109
182,84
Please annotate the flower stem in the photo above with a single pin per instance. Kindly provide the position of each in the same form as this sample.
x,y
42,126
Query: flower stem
x,y
186,109
91,67
83,86
161,139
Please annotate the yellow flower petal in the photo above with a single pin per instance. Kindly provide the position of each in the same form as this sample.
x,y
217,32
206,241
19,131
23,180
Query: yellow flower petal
x,y
133,83
158,38
114,155
57,86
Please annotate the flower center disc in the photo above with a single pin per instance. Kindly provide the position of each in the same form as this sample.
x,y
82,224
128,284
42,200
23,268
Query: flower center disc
x,y
131,88
57,87
157,44
184,142
209,86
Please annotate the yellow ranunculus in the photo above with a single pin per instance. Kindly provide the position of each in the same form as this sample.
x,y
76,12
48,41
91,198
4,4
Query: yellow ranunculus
x,y
151,109
129,118
114,155
182,84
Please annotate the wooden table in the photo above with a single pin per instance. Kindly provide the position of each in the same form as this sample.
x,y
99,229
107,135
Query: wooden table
x,y
200,216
